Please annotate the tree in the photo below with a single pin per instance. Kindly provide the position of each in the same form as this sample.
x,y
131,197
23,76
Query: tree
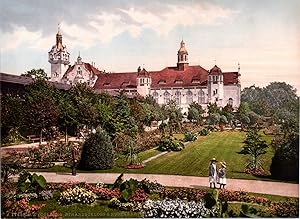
x,y
97,152
36,74
12,117
213,119
193,114
174,114
255,147
68,115
213,108
285,162
41,107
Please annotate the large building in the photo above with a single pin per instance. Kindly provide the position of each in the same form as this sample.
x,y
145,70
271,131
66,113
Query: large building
x,y
183,83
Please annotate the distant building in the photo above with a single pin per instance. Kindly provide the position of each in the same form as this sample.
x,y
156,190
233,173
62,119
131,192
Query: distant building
x,y
63,72
183,83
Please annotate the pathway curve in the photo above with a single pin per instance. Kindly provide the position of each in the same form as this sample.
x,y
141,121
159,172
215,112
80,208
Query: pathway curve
x,y
256,186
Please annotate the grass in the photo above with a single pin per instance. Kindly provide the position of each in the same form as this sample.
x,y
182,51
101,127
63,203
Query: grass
x,y
99,209
194,159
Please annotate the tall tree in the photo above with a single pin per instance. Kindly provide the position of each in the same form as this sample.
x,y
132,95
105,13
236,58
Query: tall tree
x,y
255,147
36,74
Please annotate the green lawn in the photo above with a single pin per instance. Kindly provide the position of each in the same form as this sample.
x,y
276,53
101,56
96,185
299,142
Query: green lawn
x,y
194,159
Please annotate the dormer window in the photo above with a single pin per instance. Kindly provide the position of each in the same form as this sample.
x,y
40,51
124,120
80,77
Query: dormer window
x,y
106,84
178,81
162,82
195,81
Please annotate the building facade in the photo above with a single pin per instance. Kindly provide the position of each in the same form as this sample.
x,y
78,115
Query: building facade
x,y
183,83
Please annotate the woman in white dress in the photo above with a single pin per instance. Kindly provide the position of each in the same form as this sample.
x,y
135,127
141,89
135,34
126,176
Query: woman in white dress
x,y
212,173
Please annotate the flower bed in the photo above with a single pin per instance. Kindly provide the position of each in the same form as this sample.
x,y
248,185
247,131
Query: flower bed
x,y
177,208
77,195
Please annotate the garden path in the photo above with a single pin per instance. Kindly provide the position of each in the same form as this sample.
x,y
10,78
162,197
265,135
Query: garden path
x,y
255,186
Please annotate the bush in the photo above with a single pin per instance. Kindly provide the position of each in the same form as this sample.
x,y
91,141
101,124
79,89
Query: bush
x,y
289,209
285,163
203,132
77,195
168,144
97,152
128,206
183,194
177,209
189,137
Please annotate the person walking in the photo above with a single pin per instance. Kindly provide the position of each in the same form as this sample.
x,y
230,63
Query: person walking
x,y
212,169
75,158
222,175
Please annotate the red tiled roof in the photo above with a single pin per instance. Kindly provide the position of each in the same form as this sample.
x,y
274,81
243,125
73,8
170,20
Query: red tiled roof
x,y
168,77
230,78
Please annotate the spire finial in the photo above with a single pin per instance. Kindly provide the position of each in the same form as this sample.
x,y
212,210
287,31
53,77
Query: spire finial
x,y
58,28
215,62
239,67
78,53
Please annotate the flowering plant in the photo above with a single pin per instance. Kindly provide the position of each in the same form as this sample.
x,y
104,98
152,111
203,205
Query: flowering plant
x,y
77,195
28,196
45,195
105,193
177,208
128,206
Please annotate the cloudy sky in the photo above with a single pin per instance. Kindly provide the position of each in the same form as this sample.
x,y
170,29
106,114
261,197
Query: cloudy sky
x,y
262,35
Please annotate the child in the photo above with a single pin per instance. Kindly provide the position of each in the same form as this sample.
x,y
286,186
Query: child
x,y
222,175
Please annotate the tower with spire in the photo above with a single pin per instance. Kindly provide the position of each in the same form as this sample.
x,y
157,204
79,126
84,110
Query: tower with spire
x,y
59,58
182,57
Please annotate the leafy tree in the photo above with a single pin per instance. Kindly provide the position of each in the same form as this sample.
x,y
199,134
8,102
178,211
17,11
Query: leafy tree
x,y
97,152
175,116
41,107
255,147
193,114
213,108
36,74
12,117
285,162
68,114
122,119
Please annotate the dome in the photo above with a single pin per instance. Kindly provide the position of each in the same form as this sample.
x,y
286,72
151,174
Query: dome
x,y
215,71
182,49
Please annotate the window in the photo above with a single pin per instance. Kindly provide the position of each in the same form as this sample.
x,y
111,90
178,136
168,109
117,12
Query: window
x,y
181,57
201,97
215,92
178,81
189,97
178,97
185,58
230,101
155,96
166,97
162,82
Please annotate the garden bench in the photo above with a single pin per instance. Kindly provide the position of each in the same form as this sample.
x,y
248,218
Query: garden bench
x,y
34,138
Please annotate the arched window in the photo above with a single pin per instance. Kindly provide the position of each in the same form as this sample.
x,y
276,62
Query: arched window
x,y
181,58
189,97
155,96
178,97
230,101
201,97
166,97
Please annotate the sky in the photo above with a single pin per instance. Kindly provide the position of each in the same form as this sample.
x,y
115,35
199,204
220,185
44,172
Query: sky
x,y
262,35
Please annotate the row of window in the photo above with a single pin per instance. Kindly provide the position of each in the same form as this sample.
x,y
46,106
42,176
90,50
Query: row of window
x,y
189,97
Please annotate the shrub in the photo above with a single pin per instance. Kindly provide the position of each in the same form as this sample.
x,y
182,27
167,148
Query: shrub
x,y
77,195
151,187
10,165
288,209
203,132
183,194
28,196
97,152
177,208
45,195
128,206
139,196
31,182
105,193
189,137
168,144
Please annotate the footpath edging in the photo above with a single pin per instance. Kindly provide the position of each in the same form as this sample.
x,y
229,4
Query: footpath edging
x,y
255,186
